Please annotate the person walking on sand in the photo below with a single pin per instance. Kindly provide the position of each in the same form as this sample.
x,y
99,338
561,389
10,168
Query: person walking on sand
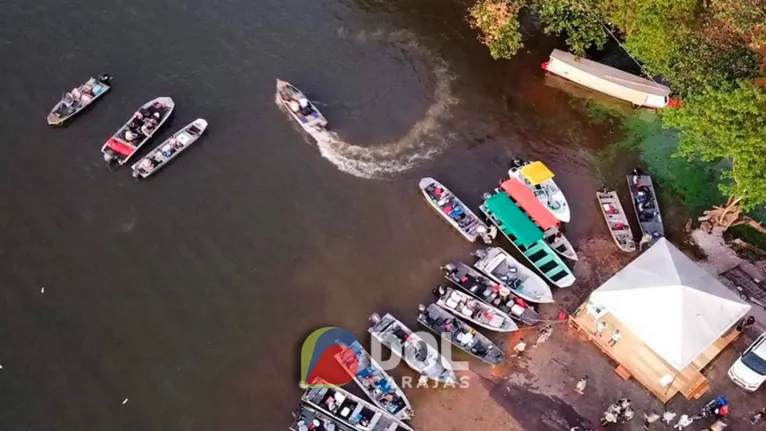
x,y
668,416
650,419
758,416
545,333
608,419
627,414
581,384
615,338
600,328
719,425
683,422
519,348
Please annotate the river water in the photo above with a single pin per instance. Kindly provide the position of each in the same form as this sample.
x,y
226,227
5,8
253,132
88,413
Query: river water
x,y
190,294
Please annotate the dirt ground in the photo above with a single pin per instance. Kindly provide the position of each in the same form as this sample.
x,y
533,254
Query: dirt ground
x,y
536,392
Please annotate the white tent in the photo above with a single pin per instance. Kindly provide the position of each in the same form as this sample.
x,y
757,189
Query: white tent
x,y
669,302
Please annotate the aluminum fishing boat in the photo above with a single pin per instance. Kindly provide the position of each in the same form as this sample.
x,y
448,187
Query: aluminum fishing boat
x,y
168,150
301,109
79,98
616,220
138,130
468,308
453,210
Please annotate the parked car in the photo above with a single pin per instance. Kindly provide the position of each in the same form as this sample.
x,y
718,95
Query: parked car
x,y
749,370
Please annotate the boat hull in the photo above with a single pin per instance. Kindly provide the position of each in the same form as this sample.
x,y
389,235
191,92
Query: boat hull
x,y
99,86
616,220
560,210
466,307
470,230
184,137
123,151
649,225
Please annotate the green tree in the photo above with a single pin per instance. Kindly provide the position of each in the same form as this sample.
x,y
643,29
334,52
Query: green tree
x,y
573,19
727,123
498,25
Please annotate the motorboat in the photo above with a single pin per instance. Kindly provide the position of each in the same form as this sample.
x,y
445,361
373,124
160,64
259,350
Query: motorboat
x,y
79,98
453,210
416,352
351,410
301,109
307,418
138,130
644,198
460,334
496,293
538,178
374,381
616,220
169,149
468,308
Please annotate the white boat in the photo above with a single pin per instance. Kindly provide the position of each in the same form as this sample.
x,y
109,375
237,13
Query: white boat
x,y
351,410
307,116
374,381
460,334
418,354
539,179
306,417
467,307
492,292
616,220
453,210
79,98
608,80
138,130
169,149
508,272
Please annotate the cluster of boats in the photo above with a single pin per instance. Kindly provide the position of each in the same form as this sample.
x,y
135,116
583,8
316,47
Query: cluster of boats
x,y
139,130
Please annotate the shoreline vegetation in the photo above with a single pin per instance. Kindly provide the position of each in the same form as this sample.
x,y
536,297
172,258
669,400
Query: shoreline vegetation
x,y
711,151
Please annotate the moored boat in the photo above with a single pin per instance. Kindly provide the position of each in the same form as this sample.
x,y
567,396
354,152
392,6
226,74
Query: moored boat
x,y
460,334
608,80
453,210
616,220
538,178
79,98
351,410
169,149
374,381
310,418
544,219
468,308
418,354
645,204
300,107
495,293
138,130
528,239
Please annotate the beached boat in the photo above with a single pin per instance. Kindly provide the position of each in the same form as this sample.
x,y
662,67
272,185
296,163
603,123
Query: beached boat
x,y
300,108
480,313
528,239
453,210
351,410
608,80
374,381
310,418
539,179
616,220
419,355
645,204
79,98
138,130
460,334
496,293
166,151
544,219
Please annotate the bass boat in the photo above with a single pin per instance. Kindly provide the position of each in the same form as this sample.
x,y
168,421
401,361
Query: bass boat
x,y
495,293
300,108
419,355
647,207
166,151
79,98
138,130
539,179
351,410
467,307
616,220
453,210
460,334
310,418
374,381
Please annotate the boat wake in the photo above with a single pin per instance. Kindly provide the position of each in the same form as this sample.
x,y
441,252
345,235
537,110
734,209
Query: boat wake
x,y
422,142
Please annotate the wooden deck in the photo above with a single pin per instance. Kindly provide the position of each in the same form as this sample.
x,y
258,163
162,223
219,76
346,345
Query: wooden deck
x,y
636,360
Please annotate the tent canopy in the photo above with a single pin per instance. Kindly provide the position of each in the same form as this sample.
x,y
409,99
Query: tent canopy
x,y
672,304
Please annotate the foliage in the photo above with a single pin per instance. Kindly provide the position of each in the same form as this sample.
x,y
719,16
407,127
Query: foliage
x,y
727,123
498,24
746,17
572,18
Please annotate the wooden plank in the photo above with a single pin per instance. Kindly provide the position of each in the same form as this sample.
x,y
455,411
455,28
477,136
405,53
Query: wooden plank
x,y
623,372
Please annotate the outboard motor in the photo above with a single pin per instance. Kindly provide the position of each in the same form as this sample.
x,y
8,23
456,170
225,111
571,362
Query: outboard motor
x,y
104,77
440,291
109,156
375,318
517,162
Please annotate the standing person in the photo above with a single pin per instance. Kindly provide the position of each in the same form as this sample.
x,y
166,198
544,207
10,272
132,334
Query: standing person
x,y
519,348
545,333
758,416
581,384
608,418
719,425
650,418
615,338
624,403
683,422
667,416
600,328
627,414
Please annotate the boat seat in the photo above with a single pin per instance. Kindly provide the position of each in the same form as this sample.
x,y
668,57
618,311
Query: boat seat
x,y
466,311
496,321
451,303
517,310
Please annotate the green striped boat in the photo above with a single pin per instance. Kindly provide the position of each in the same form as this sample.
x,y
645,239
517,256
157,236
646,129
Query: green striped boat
x,y
527,238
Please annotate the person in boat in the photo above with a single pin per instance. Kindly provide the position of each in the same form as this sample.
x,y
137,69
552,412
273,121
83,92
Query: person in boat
x,y
295,106
76,95
147,164
149,125
305,107
130,136
176,143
